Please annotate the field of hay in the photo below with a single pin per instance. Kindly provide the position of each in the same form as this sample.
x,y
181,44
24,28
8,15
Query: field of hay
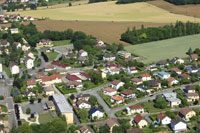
x,y
165,49
109,11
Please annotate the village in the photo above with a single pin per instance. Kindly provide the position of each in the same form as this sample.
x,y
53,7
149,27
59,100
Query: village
x,y
103,92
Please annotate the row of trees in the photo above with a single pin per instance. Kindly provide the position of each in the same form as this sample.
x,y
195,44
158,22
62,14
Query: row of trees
x,y
183,2
130,1
94,1
143,35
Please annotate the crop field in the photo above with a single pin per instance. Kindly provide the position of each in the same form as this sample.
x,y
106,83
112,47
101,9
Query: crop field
x,y
165,49
188,10
109,11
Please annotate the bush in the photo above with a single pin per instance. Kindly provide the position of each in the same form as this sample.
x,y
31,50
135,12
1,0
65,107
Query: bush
x,y
1,97
28,111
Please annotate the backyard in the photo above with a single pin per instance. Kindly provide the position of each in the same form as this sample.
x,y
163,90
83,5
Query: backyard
x,y
149,106
63,42
47,117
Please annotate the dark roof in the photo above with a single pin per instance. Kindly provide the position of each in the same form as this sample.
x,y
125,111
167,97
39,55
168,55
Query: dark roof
x,y
138,118
154,83
137,130
72,77
189,87
111,122
136,107
92,110
162,62
161,116
79,102
176,121
127,92
83,95
185,111
85,75
85,129
109,55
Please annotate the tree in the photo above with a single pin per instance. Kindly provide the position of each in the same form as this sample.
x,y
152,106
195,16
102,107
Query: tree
x,y
28,111
118,129
104,129
96,78
160,102
70,4
189,52
93,100
1,97
83,114
33,6
24,128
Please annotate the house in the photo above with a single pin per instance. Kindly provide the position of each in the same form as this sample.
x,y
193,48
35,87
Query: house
x,y
174,102
162,63
198,127
178,124
111,122
39,76
58,64
14,68
187,113
82,53
143,88
131,70
49,68
109,57
136,81
100,42
96,113
50,105
163,119
52,79
84,97
140,121
29,62
30,54
75,84
135,109
102,72
172,81
169,96
113,71
49,90
83,104
112,65
116,84
155,84
117,99
177,60
63,107
192,97
30,94
14,30
189,89
145,77
1,67
184,75
86,76
194,57
163,75
26,47
176,70
127,94
31,84
73,78
151,68
17,44
85,129
136,130
192,69
109,91
44,43
124,54
82,59
4,43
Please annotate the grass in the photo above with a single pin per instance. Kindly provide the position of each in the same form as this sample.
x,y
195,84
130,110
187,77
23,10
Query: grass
x,y
111,12
62,88
51,55
63,42
3,108
149,106
45,118
165,49
7,70
92,85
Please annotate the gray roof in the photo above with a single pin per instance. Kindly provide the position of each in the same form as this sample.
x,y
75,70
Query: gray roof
x,y
62,103
174,100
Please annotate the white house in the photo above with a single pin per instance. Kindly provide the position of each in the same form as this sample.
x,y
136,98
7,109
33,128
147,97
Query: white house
x,y
163,119
117,99
163,75
124,54
117,84
172,81
135,109
18,45
14,30
176,60
178,124
192,69
14,68
131,70
1,67
31,83
96,113
29,62
113,71
83,53
109,57
169,96
145,77
52,79
83,104
109,91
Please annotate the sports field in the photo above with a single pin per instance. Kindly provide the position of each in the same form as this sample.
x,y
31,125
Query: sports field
x,y
109,11
166,49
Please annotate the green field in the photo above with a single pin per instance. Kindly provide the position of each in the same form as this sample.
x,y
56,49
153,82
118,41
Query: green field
x,y
165,49
51,55
63,42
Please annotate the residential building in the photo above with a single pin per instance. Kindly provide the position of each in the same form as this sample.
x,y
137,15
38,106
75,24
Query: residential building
x,y
116,84
85,129
75,84
109,91
163,75
124,54
143,88
111,122
49,90
26,47
49,68
127,94
4,43
172,81
85,75
174,102
83,104
73,78
194,57
131,70
145,77
82,59
151,68
140,121
14,30
60,65
82,53
63,107
112,65
176,60
52,79
184,75
31,84
163,119
109,57
30,94
135,109
136,81
44,43
17,44
96,112
187,113
178,124
189,89
176,70
117,99
85,97
14,68
113,71
192,97
192,69
156,84
169,96
162,63
29,62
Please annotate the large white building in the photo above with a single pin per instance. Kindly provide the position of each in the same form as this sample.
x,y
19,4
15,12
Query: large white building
x,y
29,62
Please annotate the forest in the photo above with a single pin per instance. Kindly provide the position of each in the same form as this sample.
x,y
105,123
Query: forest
x,y
143,35
130,1
183,2
94,1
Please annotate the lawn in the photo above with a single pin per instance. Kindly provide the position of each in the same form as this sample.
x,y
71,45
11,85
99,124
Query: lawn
x,y
111,12
91,85
151,109
51,55
63,42
46,117
165,49
64,90
7,70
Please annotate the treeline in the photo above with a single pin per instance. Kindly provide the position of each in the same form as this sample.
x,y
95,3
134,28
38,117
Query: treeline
x,y
183,2
143,35
130,1
94,1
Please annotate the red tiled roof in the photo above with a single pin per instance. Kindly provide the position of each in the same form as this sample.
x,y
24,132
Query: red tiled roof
x,y
86,75
194,56
50,78
170,79
175,70
136,80
73,77
185,111
138,118
116,82
184,75
136,106
31,82
108,89
58,64
161,116
127,92
145,75
117,98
